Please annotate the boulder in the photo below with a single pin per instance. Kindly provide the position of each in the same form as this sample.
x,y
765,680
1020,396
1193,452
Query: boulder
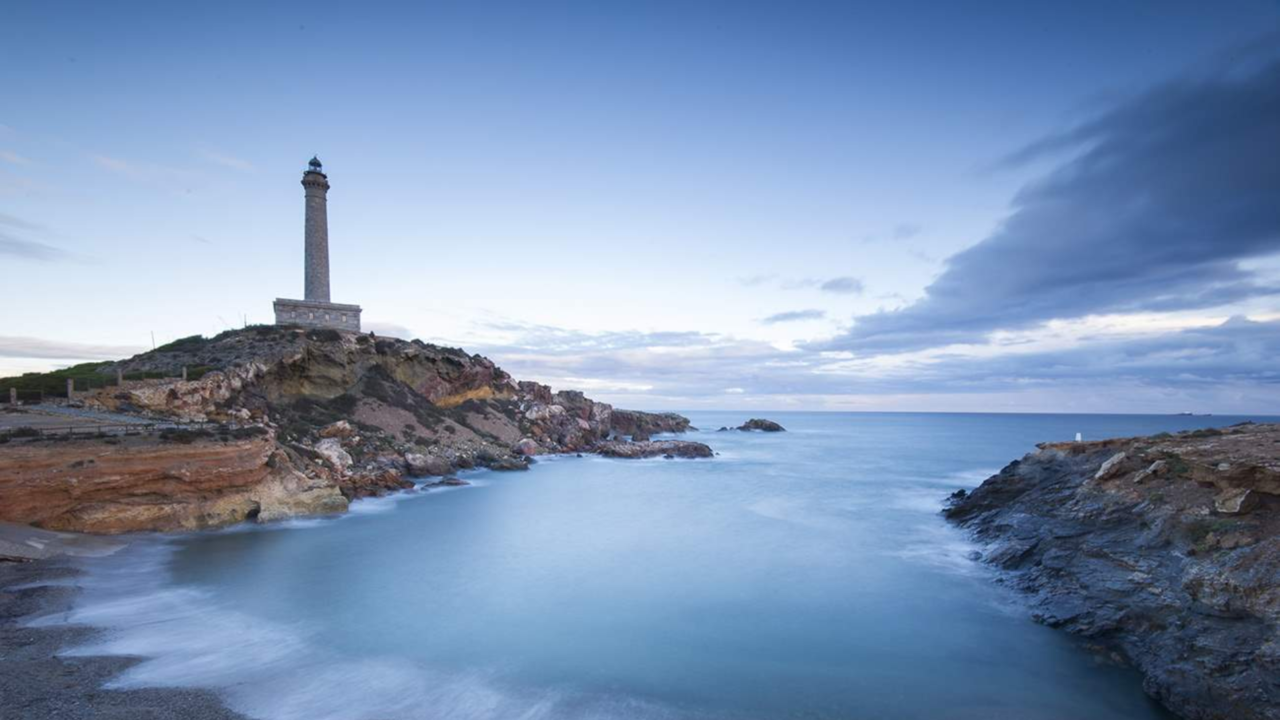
x,y
1235,501
527,446
331,450
1110,467
420,464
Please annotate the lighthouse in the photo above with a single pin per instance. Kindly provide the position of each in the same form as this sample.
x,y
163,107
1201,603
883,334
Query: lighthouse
x,y
315,310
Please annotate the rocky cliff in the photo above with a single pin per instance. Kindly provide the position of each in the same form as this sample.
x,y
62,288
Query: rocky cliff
x,y
332,416
159,482
1164,550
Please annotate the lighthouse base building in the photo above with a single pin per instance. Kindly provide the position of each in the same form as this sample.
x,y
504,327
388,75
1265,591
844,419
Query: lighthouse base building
x,y
316,310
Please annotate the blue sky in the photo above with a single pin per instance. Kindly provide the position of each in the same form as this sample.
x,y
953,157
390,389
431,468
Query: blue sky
x,y
980,206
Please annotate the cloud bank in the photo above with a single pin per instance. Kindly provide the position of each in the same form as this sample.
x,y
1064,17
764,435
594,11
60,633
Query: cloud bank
x,y
1163,197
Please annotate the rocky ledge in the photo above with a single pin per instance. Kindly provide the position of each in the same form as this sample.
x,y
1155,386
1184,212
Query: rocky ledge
x,y
1164,550
654,448
306,421
754,424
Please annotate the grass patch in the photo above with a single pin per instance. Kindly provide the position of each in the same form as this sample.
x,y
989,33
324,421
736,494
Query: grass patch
x,y
191,343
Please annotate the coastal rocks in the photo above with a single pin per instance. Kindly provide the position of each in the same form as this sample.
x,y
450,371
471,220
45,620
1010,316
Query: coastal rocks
x,y
148,483
372,483
331,450
351,415
1110,467
762,425
631,422
447,482
654,448
420,464
339,429
527,446
1164,550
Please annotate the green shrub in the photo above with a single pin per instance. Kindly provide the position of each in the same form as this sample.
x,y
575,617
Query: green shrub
x,y
191,343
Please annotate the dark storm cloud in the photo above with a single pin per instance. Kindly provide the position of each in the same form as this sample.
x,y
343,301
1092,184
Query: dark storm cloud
x,y
794,316
1167,193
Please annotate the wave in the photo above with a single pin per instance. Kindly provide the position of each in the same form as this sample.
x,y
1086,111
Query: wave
x,y
189,637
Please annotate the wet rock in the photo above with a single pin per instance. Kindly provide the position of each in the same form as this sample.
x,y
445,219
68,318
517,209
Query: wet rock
x,y
447,482
762,425
421,465
654,448
508,463
527,446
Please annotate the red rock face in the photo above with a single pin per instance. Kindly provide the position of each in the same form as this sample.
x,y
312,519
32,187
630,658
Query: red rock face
x,y
144,483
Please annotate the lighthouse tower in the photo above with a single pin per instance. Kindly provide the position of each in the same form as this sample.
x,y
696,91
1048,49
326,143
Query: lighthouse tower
x,y
316,186
316,310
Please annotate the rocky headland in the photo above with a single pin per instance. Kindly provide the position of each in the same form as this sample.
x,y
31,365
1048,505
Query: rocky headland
x,y
1163,551
300,422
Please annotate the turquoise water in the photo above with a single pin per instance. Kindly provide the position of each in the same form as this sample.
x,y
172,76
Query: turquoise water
x,y
804,574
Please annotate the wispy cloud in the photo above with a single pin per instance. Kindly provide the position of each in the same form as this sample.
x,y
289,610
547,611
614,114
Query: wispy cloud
x,y
141,170
906,231
225,160
388,329
29,347
13,158
17,222
794,316
29,250
843,285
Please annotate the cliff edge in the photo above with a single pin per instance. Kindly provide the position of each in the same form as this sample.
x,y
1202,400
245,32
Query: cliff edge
x,y
1164,550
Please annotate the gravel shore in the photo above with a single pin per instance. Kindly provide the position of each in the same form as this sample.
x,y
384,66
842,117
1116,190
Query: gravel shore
x,y
35,684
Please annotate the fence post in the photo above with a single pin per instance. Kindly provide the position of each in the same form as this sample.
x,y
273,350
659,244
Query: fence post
x,y
71,387
184,373
119,377
13,396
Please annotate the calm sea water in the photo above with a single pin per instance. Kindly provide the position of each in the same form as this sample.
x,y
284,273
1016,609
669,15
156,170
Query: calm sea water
x,y
804,574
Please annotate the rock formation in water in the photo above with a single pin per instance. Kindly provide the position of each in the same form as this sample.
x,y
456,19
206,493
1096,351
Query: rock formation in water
x,y
321,417
762,425
1164,549
756,424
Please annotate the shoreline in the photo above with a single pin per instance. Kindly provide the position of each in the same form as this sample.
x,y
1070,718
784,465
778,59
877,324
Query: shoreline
x,y
39,684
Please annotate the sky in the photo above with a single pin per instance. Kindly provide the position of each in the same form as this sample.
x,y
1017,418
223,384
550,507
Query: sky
x,y
965,206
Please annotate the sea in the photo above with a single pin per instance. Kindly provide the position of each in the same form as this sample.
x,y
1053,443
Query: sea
x,y
804,575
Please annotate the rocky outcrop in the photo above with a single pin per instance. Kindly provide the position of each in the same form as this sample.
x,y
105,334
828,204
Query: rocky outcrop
x,y
654,448
118,485
1165,549
354,414
635,422
762,425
